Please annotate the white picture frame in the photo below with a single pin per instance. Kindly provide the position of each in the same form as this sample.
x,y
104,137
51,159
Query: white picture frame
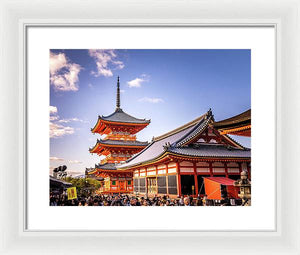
x,y
15,16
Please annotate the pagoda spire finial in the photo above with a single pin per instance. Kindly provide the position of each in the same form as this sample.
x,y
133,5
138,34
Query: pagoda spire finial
x,y
118,93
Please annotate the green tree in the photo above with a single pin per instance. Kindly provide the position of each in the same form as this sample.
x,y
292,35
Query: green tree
x,y
84,186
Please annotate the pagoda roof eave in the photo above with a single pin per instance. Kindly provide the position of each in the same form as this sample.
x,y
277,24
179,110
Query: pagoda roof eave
x,y
96,125
117,144
122,143
113,171
93,149
108,123
119,117
122,117
123,123
106,166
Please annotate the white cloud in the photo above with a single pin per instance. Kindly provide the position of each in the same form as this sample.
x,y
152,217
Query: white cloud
x,y
153,100
63,73
119,64
105,61
57,62
137,82
122,90
57,130
69,120
52,109
53,118
56,159
53,113
75,162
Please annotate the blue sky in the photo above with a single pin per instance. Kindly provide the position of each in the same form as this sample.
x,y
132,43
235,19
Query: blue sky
x,y
170,87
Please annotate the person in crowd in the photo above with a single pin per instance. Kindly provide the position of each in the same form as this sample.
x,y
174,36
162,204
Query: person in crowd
x,y
186,201
181,201
204,200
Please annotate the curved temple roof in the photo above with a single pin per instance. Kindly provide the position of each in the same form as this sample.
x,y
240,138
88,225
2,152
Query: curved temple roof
x,y
119,143
120,116
107,166
123,142
235,121
175,142
196,130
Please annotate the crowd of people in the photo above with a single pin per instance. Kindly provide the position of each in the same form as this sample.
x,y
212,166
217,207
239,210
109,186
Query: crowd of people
x,y
132,200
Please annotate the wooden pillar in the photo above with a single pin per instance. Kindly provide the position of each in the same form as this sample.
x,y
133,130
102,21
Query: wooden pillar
x,y
156,170
226,169
248,169
196,179
178,179
210,169
167,181
146,184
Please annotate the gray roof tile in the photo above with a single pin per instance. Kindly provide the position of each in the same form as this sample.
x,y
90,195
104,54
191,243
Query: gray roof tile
x,y
107,166
122,142
120,116
196,130
211,150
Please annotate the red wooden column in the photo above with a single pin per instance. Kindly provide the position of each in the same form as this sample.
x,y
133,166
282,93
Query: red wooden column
x,y
248,169
167,180
156,170
240,167
178,179
226,169
210,169
196,179
146,183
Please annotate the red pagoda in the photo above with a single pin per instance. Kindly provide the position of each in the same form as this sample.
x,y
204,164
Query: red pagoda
x,y
119,145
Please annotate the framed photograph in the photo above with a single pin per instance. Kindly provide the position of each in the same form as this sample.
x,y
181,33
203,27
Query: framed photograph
x,y
156,130
175,154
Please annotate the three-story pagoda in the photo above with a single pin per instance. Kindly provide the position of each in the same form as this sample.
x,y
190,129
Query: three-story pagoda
x,y
119,145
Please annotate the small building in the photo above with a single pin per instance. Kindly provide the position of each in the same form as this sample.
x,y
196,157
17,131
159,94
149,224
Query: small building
x,y
119,145
177,162
57,185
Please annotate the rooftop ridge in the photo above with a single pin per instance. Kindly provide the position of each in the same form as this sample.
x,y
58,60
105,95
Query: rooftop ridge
x,y
198,129
179,129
